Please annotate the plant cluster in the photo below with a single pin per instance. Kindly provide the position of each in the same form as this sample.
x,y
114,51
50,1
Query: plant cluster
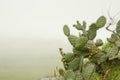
x,y
91,59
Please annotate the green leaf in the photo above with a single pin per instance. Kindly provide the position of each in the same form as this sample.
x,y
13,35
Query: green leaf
x,y
101,21
66,30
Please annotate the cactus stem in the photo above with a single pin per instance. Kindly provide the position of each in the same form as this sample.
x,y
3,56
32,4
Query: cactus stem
x,y
81,64
84,31
107,28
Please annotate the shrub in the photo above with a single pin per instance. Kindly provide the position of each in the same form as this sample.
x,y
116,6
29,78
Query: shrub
x,y
90,59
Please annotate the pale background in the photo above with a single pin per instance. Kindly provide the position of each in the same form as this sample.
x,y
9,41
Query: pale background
x,y
31,33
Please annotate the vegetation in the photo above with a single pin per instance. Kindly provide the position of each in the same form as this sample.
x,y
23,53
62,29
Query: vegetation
x,y
90,59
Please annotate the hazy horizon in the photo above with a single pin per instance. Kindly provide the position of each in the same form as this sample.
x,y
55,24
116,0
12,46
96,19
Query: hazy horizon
x,y
31,33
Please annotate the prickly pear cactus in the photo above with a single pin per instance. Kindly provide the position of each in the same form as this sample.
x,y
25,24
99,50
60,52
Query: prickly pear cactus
x,y
74,64
80,43
92,59
101,21
99,42
88,70
66,30
72,39
92,31
68,57
118,28
78,26
69,75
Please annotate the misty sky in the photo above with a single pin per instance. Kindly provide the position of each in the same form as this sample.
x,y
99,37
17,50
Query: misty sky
x,y
35,26
31,31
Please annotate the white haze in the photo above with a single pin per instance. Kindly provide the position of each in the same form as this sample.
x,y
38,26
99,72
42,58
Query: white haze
x,y
32,29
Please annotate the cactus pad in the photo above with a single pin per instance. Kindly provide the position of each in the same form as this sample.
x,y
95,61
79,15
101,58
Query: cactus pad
x,y
88,70
68,57
69,75
72,39
92,31
118,28
99,42
61,72
78,26
74,65
101,21
80,43
66,30
113,51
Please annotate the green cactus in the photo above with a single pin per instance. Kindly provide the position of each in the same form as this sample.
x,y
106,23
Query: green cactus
x,y
66,30
99,42
80,43
101,21
69,75
80,53
92,60
105,46
84,24
117,43
113,51
113,38
74,64
92,31
99,57
78,26
92,48
90,44
81,65
68,57
65,65
96,76
72,39
61,72
88,70
79,76
118,28
118,56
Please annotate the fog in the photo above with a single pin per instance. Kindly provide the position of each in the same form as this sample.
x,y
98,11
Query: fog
x,y
31,33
